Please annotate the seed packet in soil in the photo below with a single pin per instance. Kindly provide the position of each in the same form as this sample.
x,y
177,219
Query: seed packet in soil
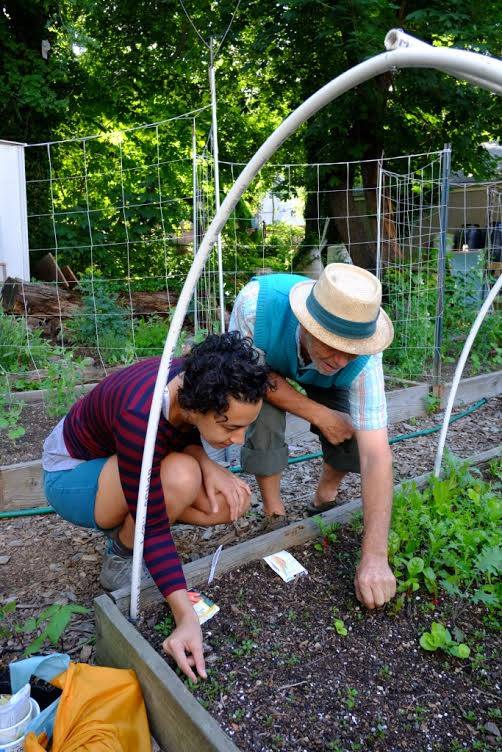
x,y
285,565
205,608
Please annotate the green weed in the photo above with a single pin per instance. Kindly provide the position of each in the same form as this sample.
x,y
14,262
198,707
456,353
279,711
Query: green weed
x,y
50,624
447,537
10,414
439,638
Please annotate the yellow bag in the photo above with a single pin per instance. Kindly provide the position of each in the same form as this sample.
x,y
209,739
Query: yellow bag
x,y
100,710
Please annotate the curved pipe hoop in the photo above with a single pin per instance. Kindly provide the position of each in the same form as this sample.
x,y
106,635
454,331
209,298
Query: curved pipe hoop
x,y
454,62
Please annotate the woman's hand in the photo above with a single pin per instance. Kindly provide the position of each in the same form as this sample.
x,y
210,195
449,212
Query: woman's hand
x,y
218,480
184,644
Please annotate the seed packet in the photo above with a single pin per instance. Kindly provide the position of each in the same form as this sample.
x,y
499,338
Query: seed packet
x,y
205,608
285,565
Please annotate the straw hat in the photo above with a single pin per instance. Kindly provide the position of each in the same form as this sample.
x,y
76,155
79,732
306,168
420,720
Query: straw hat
x,y
342,309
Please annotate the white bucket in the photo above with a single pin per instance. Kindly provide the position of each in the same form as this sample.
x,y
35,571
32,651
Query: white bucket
x,y
12,738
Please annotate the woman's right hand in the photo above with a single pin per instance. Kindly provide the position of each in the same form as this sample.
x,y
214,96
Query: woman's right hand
x,y
184,644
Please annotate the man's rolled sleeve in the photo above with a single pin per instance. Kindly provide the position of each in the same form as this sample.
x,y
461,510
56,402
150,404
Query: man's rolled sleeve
x,y
368,405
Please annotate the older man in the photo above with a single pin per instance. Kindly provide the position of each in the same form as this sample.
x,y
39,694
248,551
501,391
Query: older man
x,y
328,337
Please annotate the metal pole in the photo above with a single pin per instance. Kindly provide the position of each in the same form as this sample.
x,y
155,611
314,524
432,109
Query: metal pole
x,y
195,228
212,85
379,220
443,228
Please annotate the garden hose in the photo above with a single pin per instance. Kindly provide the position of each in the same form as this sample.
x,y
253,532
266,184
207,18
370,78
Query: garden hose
x,y
291,461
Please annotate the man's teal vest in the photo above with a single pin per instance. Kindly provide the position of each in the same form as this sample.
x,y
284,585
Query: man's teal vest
x,y
275,334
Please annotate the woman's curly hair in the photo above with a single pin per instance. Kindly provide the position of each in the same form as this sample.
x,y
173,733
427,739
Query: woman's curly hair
x,y
223,366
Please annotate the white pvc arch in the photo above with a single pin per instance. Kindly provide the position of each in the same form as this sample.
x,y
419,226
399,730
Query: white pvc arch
x,y
403,52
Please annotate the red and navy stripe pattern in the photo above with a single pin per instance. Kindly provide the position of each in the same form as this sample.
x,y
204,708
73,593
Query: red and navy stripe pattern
x,y
112,419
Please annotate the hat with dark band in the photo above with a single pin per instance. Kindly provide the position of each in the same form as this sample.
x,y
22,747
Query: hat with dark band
x,y
342,309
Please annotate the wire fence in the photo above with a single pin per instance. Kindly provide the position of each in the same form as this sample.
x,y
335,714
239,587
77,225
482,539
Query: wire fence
x,y
115,219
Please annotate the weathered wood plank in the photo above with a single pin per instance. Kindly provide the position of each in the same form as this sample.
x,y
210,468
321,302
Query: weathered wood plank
x,y
176,719
197,572
403,404
39,395
86,374
474,388
21,486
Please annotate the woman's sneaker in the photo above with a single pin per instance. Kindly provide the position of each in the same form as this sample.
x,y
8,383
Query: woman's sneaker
x,y
116,571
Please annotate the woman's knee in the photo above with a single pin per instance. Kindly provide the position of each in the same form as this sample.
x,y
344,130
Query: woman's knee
x,y
181,475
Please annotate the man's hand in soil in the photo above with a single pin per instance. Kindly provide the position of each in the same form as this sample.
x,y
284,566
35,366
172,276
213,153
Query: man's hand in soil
x,y
374,582
335,426
184,644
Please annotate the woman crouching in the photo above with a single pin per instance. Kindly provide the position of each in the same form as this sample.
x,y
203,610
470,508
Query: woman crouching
x,y
92,463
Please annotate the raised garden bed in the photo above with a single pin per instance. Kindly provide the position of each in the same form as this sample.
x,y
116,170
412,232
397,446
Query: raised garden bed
x,y
20,469
276,652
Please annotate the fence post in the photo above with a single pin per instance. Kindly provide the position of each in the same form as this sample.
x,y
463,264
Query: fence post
x,y
443,229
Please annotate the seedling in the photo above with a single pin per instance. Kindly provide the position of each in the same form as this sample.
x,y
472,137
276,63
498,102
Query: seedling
x,y
10,413
329,532
244,648
338,624
166,626
384,672
432,404
53,621
350,698
439,638
8,608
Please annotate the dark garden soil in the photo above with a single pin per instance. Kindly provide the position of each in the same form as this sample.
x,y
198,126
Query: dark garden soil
x,y
282,678
44,559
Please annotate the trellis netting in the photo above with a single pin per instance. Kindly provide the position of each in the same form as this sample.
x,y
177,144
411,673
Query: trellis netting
x,y
126,210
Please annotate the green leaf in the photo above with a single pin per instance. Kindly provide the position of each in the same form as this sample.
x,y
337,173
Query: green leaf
x,y
459,651
340,627
490,560
36,645
58,624
441,635
29,625
427,642
415,566
16,433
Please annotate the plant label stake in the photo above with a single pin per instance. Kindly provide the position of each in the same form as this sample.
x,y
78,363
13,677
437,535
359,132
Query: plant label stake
x,y
214,564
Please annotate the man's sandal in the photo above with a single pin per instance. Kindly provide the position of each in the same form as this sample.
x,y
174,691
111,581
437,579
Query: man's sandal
x,y
313,509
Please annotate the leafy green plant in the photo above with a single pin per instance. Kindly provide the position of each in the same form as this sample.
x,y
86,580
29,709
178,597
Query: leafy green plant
x,y
150,335
166,626
439,638
447,537
432,404
245,648
329,532
10,414
21,348
350,698
101,317
62,380
340,627
5,610
50,623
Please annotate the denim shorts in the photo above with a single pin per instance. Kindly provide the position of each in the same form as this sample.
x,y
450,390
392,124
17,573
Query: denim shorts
x,y
72,493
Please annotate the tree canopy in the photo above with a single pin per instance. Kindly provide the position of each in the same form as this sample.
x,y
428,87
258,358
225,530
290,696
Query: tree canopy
x,y
113,65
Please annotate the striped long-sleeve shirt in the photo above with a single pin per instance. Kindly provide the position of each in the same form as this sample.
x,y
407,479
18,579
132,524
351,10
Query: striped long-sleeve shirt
x,y
112,419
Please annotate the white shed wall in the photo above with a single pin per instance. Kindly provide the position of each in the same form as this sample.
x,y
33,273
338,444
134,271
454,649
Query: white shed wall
x,y
13,212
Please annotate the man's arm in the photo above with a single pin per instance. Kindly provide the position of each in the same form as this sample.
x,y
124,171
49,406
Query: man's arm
x,y
334,425
374,582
